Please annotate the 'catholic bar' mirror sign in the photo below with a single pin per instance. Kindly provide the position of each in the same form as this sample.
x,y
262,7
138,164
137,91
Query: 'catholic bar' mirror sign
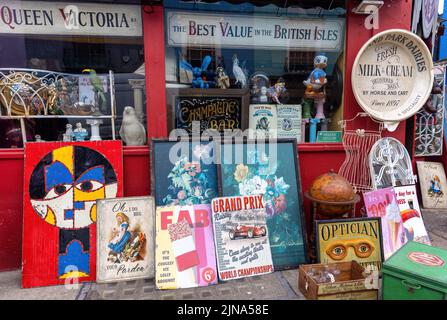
x,y
392,76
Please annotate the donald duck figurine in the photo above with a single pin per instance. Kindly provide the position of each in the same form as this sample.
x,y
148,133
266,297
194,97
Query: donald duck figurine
x,y
315,87
317,79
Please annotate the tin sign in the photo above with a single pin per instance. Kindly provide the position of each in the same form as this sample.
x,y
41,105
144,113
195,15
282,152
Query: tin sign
x,y
392,75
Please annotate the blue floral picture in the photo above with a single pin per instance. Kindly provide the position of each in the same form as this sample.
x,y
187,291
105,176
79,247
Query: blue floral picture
x,y
271,170
184,173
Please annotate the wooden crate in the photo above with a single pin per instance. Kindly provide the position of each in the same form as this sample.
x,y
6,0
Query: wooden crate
x,y
350,284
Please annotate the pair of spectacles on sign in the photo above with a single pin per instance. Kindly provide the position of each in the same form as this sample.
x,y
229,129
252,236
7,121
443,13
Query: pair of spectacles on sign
x,y
362,249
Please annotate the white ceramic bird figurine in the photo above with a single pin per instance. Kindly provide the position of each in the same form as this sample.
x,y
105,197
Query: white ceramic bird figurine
x,y
239,73
132,132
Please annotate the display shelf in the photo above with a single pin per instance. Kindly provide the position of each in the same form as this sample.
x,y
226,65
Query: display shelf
x,y
44,94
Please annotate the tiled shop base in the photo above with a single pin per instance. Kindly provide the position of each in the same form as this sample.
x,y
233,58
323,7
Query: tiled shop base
x,y
278,285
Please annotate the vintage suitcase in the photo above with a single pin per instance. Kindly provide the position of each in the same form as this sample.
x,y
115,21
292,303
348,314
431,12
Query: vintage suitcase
x,y
415,272
352,283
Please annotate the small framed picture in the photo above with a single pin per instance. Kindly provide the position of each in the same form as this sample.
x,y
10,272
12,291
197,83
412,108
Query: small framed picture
x,y
125,236
183,172
433,184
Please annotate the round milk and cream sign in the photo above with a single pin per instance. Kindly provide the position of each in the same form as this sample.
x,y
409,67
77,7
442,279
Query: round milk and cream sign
x,y
392,76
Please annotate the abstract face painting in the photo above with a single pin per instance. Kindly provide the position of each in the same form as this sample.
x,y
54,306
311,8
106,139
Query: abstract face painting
x,y
63,187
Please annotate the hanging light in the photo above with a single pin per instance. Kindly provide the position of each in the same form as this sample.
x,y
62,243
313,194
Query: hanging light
x,y
368,7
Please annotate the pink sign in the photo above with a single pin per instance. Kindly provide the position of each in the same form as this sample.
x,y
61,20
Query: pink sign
x,y
382,203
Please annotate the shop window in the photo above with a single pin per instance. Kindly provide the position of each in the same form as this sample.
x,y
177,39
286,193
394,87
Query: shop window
x,y
235,65
68,63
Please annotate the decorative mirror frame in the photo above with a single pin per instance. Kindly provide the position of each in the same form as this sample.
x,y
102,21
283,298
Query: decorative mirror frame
x,y
390,164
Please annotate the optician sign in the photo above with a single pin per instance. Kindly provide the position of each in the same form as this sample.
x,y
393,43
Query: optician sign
x,y
392,76
241,31
65,18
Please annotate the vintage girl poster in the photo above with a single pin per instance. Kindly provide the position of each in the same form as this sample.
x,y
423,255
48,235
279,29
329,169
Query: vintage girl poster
x,y
184,253
125,239
411,214
350,239
382,203
289,121
262,120
241,237
433,184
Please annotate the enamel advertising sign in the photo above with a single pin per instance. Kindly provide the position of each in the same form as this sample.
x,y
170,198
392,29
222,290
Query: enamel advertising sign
x,y
392,76
350,239
61,18
238,31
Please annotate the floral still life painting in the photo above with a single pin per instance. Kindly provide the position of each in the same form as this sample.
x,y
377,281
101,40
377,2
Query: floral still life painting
x,y
270,170
184,173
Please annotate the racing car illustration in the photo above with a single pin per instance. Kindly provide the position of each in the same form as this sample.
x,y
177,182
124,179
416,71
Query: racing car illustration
x,y
241,231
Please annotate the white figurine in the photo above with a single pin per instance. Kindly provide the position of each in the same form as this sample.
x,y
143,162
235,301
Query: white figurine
x,y
67,136
38,138
79,134
239,74
263,98
132,132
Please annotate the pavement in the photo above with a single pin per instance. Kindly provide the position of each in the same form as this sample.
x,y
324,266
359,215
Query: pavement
x,y
281,285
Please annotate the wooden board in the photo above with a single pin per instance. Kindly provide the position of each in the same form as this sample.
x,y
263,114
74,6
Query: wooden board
x,y
62,183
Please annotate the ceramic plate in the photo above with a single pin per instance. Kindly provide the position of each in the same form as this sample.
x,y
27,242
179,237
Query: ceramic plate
x,y
392,76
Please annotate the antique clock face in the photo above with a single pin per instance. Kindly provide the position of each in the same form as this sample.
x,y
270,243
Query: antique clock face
x,y
392,76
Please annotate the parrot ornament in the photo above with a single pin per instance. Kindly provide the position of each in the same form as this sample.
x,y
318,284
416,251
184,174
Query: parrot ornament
x,y
98,88
239,73
132,132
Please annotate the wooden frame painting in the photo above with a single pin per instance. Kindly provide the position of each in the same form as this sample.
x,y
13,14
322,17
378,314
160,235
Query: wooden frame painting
x,y
253,170
189,178
125,239
357,239
62,182
214,108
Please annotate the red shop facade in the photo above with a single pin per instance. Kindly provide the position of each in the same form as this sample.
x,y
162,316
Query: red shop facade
x,y
314,158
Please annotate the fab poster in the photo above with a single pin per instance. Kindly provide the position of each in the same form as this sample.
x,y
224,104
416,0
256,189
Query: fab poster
x,y
61,186
125,249
271,170
350,239
382,203
241,237
411,214
184,253
433,184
